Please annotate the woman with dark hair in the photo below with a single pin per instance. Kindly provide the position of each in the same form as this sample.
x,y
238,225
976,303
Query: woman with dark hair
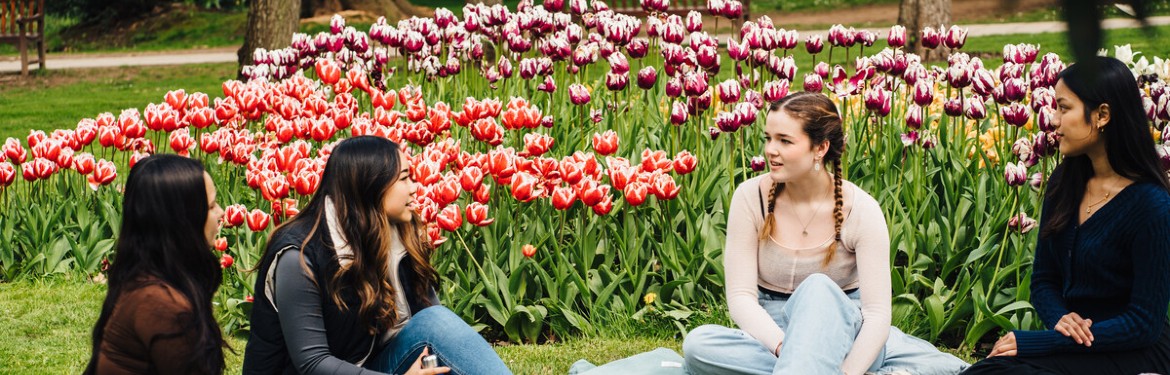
x,y
807,263
1099,279
156,318
347,287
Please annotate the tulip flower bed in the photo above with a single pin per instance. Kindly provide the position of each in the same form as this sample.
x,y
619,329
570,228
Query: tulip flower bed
x,y
558,194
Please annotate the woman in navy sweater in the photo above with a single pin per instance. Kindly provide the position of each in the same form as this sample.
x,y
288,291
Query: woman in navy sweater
x,y
1101,275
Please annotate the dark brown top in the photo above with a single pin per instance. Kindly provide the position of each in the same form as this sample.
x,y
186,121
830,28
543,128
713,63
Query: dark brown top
x,y
147,333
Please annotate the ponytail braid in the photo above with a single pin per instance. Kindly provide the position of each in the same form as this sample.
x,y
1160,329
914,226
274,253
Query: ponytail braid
x,y
769,219
838,216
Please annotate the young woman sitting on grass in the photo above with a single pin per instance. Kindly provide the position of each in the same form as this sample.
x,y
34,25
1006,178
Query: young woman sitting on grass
x,y
808,265
346,286
157,318
1100,278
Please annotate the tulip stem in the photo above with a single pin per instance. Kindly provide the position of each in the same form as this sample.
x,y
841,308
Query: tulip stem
x,y
740,144
1003,241
471,256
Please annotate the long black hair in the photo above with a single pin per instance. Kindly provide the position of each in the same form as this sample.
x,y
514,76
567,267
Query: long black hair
x,y
162,236
359,172
1128,144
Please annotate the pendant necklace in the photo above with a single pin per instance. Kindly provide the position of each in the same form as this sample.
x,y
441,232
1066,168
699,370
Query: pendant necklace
x,y
1089,209
805,224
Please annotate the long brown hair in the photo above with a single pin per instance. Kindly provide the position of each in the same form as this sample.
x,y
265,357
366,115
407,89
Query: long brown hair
x,y
358,174
821,123
163,216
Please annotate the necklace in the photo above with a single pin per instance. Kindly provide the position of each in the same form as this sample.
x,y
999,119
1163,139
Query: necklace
x,y
1089,209
805,224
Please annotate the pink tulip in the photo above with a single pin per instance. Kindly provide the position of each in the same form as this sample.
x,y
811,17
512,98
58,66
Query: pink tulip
x,y
695,83
775,90
812,82
617,81
959,75
674,87
982,82
678,113
1044,144
729,91
733,9
1015,113
694,22
1015,89
708,57
673,33
1021,222
878,100
931,38
727,122
746,113
814,44
1015,174
865,38
554,5
647,77
578,94
923,93
897,36
956,37
910,139
914,116
738,51
974,108
757,163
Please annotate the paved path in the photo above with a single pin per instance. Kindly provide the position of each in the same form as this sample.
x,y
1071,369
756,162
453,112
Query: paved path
x,y
223,55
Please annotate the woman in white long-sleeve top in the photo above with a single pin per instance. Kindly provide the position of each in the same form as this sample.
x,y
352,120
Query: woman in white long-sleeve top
x,y
807,264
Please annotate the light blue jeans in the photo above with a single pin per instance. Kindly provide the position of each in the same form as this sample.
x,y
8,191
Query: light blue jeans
x,y
820,323
448,337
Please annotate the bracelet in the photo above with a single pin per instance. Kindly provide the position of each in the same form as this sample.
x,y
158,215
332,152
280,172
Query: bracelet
x,y
776,351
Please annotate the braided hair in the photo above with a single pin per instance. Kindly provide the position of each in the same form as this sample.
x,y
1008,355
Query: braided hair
x,y
821,123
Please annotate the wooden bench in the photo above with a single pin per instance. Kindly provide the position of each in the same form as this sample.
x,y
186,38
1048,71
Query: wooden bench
x,y
22,22
679,7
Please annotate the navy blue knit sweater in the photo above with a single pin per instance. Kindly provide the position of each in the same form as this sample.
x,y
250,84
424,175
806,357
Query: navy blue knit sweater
x,y
1114,269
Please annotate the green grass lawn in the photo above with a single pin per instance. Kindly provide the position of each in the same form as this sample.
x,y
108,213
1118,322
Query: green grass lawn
x,y
59,98
47,327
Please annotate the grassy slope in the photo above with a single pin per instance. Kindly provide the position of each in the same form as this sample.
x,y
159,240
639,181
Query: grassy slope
x,y
47,330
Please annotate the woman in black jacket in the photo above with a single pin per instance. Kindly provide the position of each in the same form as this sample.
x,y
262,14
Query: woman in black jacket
x,y
346,287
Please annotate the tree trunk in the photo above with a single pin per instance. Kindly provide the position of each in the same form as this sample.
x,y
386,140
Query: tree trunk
x,y
918,14
271,24
393,10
